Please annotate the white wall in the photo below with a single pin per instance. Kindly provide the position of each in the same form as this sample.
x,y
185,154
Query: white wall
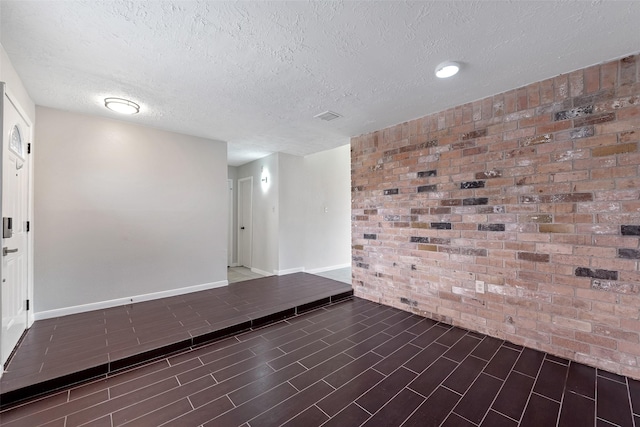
x,y
293,194
123,210
14,84
328,185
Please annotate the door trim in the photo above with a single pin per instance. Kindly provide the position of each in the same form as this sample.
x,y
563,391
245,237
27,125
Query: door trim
x,y
230,227
239,216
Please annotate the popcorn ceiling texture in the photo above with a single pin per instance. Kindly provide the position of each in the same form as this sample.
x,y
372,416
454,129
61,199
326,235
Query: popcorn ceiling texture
x,y
535,192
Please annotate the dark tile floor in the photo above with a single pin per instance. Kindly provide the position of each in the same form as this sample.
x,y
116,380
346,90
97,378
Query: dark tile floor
x,y
351,363
65,350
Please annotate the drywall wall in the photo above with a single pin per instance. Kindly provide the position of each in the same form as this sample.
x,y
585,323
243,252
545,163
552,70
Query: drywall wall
x,y
14,84
532,195
327,209
293,195
124,210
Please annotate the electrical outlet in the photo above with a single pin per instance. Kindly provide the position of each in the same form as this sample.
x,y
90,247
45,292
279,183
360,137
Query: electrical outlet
x,y
480,286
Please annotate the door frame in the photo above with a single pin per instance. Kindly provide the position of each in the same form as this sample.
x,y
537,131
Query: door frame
x,y
230,227
241,208
5,92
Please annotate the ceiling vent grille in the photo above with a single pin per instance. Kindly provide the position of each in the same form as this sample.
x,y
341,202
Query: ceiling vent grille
x,y
327,116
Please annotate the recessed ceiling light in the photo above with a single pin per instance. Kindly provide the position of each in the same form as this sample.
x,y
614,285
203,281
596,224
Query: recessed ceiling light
x,y
447,69
122,106
327,115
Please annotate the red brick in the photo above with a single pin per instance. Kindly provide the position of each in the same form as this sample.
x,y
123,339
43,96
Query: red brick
x,y
562,203
592,79
570,344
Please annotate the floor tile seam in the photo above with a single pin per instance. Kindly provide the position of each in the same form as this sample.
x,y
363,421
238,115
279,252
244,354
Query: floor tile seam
x,y
424,332
611,379
138,415
212,373
633,418
332,320
564,392
452,390
502,383
608,422
323,378
531,392
228,394
163,378
546,397
518,421
291,418
225,357
279,347
195,409
566,376
41,398
300,348
109,399
466,419
115,374
394,396
295,361
247,370
67,414
418,407
275,405
188,397
320,409
441,383
596,399
391,325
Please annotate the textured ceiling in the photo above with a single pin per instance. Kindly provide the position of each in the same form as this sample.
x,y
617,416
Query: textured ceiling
x,y
254,73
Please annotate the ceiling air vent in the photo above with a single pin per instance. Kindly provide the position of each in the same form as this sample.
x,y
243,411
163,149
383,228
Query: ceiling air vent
x,y
327,116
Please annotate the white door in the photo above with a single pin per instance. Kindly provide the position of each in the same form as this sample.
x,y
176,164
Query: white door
x,y
245,189
16,134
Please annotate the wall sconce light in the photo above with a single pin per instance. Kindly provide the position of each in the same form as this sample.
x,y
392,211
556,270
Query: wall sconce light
x,y
264,178
122,106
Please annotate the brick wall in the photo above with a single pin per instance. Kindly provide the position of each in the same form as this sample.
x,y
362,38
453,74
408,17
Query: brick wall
x,y
536,193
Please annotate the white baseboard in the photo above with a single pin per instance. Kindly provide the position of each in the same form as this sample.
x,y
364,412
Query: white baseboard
x,y
127,300
323,269
289,271
262,272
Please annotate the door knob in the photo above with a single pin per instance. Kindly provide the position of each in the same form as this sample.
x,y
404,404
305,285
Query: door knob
x,y
241,228
6,251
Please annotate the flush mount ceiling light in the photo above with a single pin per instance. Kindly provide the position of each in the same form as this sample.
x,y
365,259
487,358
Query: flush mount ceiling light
x,y
447,69
327,116
122,106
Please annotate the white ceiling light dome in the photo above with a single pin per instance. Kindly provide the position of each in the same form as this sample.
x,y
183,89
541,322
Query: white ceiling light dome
x,y
122,106
447,69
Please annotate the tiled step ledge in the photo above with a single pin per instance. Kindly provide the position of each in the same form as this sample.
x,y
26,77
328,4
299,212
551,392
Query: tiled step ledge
x,y
20,395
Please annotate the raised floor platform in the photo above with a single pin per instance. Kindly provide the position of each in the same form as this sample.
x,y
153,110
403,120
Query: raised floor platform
x,y
59,352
